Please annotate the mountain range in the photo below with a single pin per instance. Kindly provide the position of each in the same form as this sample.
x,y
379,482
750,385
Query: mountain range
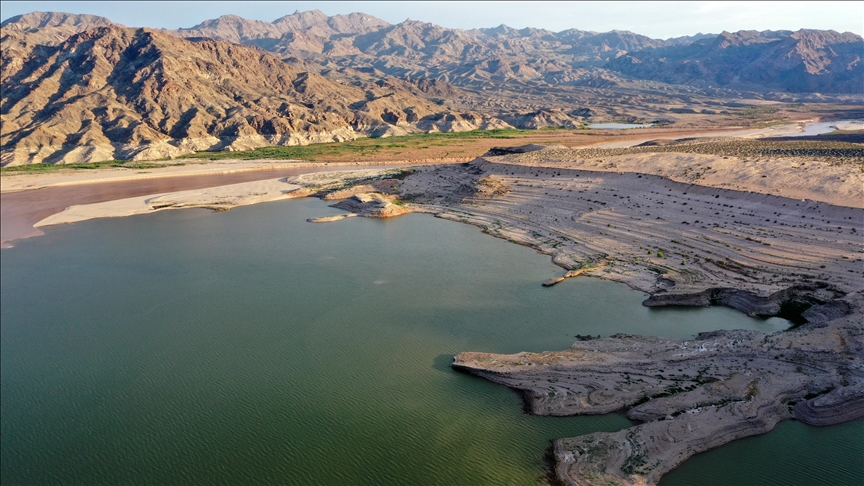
x,y
81,88
803,61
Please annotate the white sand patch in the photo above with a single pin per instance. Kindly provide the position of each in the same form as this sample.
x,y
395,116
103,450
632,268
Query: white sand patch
x,y
220,198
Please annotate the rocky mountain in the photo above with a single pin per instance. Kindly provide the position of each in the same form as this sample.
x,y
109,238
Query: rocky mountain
x,y
21,34
51,28
80,88
417,49
802,61
689,39
120,93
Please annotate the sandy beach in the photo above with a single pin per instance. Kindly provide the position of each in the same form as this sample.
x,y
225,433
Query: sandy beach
x,y
22,208
30,181
220,198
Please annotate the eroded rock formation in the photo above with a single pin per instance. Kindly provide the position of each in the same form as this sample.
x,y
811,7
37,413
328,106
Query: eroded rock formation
x,y
691,395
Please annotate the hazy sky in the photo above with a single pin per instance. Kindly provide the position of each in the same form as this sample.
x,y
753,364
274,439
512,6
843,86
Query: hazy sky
x,y
654,19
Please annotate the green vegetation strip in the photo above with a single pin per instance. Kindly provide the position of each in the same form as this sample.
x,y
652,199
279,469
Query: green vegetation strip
x,y
827,149
32,168
362,146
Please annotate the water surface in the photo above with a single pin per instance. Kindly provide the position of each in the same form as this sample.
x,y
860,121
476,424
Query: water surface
x,y
818,128
791,454
194,347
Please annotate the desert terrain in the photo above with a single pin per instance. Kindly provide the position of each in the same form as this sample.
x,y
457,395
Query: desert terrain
x,y
307,78
710,206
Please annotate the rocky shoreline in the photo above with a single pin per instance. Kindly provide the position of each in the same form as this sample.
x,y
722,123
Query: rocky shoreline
x,y
691,396
761,253
737,249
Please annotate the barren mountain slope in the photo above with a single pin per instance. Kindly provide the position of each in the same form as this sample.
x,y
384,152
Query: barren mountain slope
x,y
421,49
158,96
22,34
52,28
115,92
803,61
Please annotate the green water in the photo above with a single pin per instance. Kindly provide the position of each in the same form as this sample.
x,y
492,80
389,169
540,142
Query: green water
x,y
792,454
192,347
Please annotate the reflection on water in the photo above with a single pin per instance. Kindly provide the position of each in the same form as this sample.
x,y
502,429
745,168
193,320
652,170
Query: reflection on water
x,y
252,347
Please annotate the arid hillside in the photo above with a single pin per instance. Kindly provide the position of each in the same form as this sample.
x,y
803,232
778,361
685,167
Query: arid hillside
x,y
121,93
802,61
80,88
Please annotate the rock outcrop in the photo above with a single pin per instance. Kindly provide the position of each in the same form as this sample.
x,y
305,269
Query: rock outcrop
x,y
840,405
373,205
795,300
691,395
370,193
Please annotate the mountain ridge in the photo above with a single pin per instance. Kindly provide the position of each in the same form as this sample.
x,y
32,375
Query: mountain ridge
x,y
421,49
81,88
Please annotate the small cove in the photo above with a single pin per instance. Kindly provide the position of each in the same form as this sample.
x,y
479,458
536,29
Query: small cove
x,y
251,346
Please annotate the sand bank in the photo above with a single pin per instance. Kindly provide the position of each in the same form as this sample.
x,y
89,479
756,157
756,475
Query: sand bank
x,y
220,198
30,181
22,209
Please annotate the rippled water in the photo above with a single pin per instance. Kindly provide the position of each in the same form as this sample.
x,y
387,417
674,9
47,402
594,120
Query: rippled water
x,y
252,347
792,454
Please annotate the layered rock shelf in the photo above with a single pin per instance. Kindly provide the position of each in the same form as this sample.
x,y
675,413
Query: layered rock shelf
x,y
759,252
690,396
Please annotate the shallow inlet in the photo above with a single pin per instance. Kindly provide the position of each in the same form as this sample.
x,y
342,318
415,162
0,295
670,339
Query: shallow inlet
x,y
251,346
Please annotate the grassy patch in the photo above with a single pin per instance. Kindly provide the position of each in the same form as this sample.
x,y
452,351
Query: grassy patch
x,y
772,123
362,146
41,168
